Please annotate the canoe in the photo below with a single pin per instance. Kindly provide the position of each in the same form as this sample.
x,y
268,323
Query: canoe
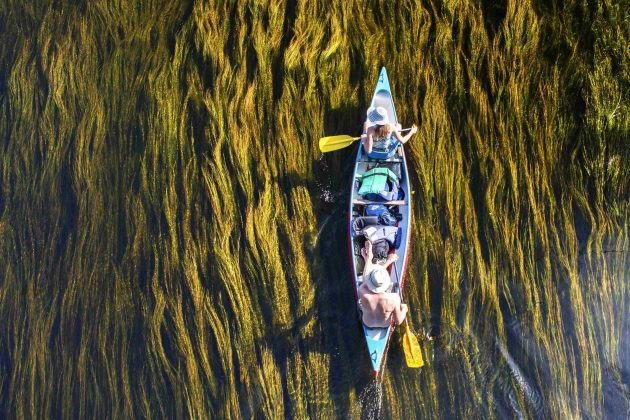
x,y
377,339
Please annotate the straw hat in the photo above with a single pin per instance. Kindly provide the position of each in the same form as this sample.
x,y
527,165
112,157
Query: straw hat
x,y
378,280
377,115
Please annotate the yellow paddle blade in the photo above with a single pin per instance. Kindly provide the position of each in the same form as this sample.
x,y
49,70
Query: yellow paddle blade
x,y
330,143
411,348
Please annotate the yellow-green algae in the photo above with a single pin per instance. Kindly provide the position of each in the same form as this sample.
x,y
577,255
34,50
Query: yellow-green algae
x,y
159,215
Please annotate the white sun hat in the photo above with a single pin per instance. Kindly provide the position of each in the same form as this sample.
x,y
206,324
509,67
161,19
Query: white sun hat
x,y
378,280
377,115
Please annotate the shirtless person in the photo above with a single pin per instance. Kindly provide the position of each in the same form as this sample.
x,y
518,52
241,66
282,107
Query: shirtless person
x,y
379,306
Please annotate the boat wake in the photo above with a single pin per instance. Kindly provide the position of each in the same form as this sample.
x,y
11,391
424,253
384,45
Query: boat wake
x,y
324,183
371,400
530,393
513,393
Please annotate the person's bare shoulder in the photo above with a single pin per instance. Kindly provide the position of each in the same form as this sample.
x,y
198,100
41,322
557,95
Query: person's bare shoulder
x,y
364,293
392,298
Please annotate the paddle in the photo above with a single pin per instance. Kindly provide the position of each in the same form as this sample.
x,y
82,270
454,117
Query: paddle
x,y
410,344
332,143
411,347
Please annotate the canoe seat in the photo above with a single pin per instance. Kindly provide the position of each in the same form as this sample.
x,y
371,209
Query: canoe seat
x,y
362,202
390,160
393,159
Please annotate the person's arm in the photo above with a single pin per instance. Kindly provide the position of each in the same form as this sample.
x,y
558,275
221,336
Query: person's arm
x,y
362,291
364,137
369,141
368,256
403,139
400,312
391,258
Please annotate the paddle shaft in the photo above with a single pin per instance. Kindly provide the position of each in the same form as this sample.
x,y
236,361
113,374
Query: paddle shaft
x,y
332,143
400,287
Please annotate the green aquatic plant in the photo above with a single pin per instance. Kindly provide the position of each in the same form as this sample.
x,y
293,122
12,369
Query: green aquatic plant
x,y
164,251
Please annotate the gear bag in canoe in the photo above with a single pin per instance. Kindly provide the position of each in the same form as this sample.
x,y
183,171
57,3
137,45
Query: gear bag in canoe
x,y
379,184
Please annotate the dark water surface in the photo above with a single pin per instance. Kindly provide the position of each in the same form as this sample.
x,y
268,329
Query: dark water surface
x,y
172,242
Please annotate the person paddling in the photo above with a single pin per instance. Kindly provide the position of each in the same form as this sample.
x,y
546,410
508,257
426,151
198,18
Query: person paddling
x,y
379,306
381,137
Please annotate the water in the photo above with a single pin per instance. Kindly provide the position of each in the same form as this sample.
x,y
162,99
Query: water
x,y
173,244
371,400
